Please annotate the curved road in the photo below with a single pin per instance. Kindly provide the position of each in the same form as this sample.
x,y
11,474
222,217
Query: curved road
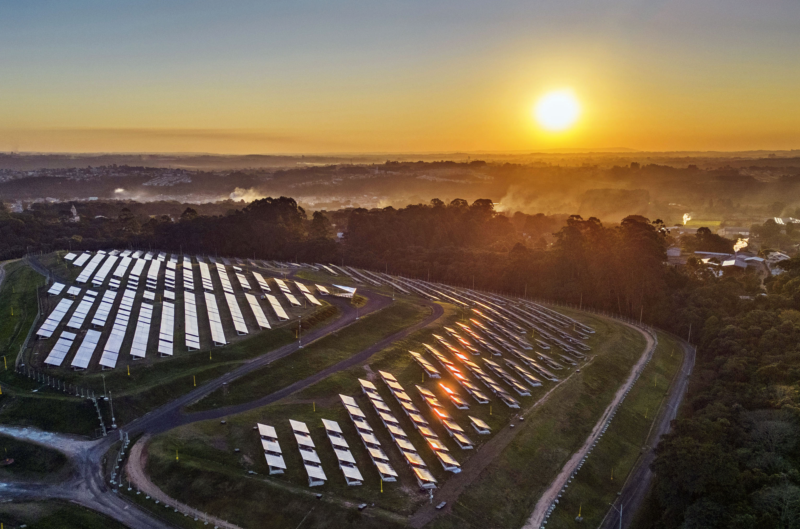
x,y
637,486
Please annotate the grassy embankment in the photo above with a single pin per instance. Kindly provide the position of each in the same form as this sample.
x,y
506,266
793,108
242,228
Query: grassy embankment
x,y
318,355
605,471
507,490
53,515
31,461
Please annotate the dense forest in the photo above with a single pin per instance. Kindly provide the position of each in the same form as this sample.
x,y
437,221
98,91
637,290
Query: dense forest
x,y
732,459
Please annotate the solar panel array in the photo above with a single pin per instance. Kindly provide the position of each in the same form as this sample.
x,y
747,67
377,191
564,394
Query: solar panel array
x,y
322,290
106,304
70,256
122,269
205,275
188,276
223,278
60,349
56,289
371,443
74,291
217,332
142,334
236,314
166,335
100,277
114,343
190,312
89,269
79,316
152,274
262,283
276,306
86,350
261,318
424,478
283,286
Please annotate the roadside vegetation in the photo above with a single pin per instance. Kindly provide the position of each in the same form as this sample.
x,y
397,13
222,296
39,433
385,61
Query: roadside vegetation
x,y
53,515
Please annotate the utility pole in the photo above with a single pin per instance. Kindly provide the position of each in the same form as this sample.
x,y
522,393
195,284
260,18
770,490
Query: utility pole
x,y
300,332
104,386
619,511
113,420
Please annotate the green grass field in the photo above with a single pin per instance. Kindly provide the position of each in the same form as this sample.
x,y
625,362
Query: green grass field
x,y
17,296
606,469
53,515
30,460
318,355
507,490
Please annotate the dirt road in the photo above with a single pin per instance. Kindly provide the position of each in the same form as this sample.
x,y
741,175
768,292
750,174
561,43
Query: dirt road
x,y
550,495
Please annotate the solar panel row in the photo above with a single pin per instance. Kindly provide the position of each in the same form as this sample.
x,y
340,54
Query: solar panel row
x,y
86,350
100,277
217,333
60,349
166,335
152,274
142,334
261,318
262,283
79,316
205,275
89,269
236,314
276,306
223,278
114,343
192,330
106,304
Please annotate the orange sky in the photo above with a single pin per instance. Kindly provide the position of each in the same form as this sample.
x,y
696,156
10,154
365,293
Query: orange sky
x,y
416,77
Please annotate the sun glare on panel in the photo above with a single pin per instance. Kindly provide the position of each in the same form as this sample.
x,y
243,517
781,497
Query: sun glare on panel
x,y
557,111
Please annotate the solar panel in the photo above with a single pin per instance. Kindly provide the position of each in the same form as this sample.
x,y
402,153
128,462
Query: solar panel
x,y
89,269
190,328
167,332
304,289
205,275
137,254
74,291
70,256
152,274
217,333
292,299
262,283
258,312
100,277
322,290
79,316
56,289
106,304
312,299
243,281
82,258
142,334
60,349
84,355
223,278
188,275
283,286
276,306
236,314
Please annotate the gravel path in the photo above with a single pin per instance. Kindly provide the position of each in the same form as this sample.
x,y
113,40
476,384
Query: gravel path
x,y
551,493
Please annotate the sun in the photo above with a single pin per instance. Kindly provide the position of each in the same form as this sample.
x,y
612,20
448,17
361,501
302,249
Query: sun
x,y
557,111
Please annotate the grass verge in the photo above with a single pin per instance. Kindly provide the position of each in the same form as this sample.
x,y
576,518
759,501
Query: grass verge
x,y
30,460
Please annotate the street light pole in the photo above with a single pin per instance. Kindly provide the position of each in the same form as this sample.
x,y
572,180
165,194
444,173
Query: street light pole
x,y
619,511
300,332
104,386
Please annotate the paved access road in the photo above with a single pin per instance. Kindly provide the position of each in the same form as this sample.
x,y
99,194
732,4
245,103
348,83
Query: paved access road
x,y
636,487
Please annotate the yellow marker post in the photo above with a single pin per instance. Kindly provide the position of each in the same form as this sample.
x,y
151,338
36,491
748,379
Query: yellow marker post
x,y
129,370
194,380
209,354
315,406
381,489
176,455
1,390
579,510
12,311
5,364
612,474
490,409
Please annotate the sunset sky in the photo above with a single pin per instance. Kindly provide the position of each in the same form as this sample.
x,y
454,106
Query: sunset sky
x,y
236,76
